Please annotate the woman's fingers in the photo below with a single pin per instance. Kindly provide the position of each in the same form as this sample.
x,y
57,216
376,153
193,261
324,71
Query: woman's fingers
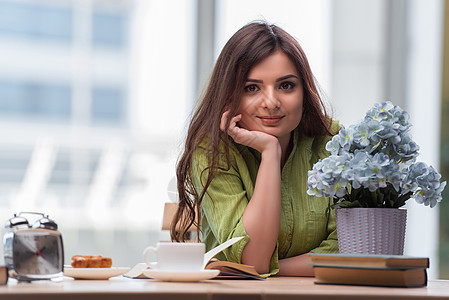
x,y
232,124
224,117
254,139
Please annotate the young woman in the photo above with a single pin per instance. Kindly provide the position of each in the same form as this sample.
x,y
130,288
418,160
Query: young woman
x,y
259,128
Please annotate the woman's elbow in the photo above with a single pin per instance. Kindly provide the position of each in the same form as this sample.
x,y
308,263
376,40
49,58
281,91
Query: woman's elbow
x,y
262,266
262,269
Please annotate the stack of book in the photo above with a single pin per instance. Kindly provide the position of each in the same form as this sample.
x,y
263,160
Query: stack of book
x,y
370,269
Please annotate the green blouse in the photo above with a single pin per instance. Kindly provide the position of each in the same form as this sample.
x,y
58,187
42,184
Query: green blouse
x,y
305,226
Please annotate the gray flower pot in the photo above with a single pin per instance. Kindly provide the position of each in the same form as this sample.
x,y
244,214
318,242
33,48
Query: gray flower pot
x,y
371,230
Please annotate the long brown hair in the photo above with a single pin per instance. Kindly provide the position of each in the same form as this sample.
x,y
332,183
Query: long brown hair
x,y
248,46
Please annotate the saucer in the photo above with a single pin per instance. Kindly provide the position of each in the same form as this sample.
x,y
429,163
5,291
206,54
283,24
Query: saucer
x,y
181,275
94,273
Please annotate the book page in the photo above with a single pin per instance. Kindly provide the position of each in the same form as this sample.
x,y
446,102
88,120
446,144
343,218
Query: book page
x,y
211,253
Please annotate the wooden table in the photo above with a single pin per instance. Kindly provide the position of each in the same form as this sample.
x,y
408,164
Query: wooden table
x,y
272,288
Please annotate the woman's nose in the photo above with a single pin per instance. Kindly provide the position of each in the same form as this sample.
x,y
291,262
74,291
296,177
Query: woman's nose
x,y
269,99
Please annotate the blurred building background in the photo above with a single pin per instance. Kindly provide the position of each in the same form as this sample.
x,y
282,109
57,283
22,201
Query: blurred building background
x,y
95,96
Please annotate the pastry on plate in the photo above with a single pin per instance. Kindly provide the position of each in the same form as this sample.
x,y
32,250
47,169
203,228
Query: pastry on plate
x,y
91,261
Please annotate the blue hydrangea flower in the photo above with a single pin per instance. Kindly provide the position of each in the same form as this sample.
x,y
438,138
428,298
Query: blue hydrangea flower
x,y
373,164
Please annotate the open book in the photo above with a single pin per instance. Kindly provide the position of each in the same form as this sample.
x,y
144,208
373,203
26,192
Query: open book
x,y
227,269
232,270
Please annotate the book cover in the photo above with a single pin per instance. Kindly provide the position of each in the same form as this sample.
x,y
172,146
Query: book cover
x,y
368,260
388,277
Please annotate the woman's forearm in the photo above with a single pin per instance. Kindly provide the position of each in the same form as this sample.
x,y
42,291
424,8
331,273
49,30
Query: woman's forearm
x,y
261,218
296,266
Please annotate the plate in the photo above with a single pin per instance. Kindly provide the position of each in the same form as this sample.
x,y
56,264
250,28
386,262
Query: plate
x,y
181,276
94,273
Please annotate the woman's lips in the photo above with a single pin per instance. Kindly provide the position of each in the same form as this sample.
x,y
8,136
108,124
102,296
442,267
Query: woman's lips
x,y
270,120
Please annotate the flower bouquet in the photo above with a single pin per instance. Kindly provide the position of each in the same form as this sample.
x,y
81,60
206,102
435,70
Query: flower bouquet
x,y
370,173
373,164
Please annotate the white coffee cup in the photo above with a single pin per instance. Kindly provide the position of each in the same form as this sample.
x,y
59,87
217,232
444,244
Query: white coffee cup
x,y
175,257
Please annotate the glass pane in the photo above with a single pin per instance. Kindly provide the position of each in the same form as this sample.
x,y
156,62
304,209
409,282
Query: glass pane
x,y
108,30
35,99
107,105
35,21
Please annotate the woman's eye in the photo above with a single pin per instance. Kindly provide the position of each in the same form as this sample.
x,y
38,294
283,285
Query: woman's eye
x,y
286,85
251,88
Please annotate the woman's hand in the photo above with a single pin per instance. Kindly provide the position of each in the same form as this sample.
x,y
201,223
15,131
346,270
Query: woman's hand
x,y
257,140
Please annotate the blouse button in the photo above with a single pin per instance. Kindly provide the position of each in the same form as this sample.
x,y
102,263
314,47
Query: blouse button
x,y
289,237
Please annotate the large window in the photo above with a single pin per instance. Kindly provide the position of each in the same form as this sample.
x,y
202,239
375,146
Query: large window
x,y
78,82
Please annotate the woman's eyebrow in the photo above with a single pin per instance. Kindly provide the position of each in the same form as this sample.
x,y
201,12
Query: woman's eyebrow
x,y
277,80
254,80
286,77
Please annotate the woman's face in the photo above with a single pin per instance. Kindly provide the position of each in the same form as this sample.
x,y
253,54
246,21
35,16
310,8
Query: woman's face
x,y
272,101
